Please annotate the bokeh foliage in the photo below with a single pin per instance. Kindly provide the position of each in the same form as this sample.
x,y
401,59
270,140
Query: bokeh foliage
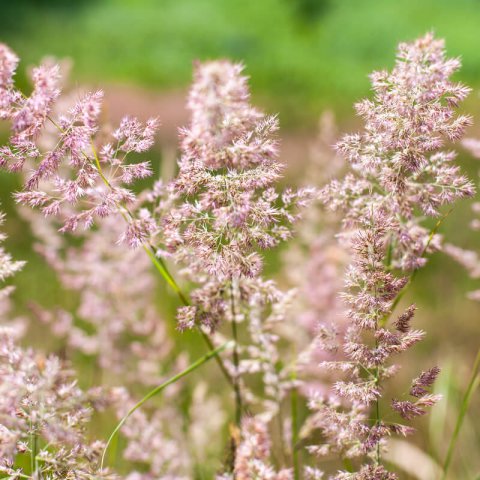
x,y
303,55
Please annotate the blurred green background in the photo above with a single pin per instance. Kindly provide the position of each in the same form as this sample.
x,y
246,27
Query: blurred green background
x,y
303,56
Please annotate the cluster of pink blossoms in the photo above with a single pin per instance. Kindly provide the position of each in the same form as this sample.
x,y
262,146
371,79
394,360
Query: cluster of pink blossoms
x,y
398,175
218,213
223,205
396,163
77,171
44,415
214,220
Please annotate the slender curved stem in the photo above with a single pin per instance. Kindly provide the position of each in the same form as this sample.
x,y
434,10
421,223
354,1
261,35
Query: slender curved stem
x,y
472,386
163,270
33,452
160,266
236,360
294,413
162,387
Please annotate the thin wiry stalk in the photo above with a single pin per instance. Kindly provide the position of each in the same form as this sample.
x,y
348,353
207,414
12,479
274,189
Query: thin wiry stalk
x,y
33,452
162,387
294,414
162,268
472,386
378,418
236,361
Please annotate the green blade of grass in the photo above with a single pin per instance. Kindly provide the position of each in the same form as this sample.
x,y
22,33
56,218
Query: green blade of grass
x,y
160,388
294,413
472,386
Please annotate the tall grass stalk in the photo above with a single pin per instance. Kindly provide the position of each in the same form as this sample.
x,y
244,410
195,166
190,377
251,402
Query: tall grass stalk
x,y
294,414
472,386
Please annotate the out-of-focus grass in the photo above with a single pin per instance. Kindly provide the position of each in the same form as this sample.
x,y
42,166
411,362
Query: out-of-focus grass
x,y
303,55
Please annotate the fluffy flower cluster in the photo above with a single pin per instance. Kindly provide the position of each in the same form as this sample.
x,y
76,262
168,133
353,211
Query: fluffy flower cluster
x,y
395,171
368,346
83,173
226,207
395,162
43,415
228,166
27,114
